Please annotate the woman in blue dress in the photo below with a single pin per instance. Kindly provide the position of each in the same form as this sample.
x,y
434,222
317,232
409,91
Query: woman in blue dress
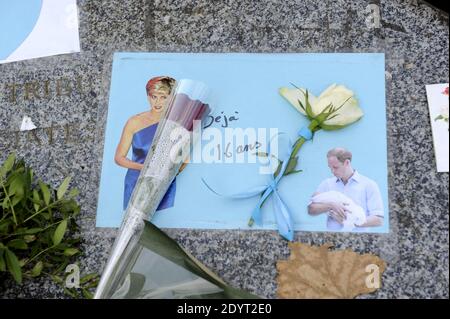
x,y
138,133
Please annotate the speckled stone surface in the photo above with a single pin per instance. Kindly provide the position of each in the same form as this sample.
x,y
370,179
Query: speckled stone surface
x,y
415,38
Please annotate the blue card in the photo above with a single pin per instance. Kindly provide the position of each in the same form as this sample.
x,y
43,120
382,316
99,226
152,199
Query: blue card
x,y
245,95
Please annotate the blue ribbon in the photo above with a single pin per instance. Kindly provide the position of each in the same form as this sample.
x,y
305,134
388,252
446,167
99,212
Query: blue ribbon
x,y
282,215
305,133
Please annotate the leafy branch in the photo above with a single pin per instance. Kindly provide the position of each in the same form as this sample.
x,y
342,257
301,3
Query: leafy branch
x,y
38,228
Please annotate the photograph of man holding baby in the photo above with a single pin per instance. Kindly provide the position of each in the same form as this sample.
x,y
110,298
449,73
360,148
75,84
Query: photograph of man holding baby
x,y
352,201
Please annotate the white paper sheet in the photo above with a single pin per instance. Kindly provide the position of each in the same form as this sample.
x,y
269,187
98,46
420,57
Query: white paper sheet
x,y
27,124
37,28
437,95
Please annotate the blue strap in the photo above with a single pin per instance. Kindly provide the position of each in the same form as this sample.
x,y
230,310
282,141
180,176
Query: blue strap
x,y
305,133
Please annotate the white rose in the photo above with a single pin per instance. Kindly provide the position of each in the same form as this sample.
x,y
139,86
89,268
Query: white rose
x,y
346,107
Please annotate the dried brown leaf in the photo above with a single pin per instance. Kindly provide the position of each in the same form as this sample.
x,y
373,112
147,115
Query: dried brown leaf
x,y
317,272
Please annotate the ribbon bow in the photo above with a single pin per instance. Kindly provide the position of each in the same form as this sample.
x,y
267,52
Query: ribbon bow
x,y
282,215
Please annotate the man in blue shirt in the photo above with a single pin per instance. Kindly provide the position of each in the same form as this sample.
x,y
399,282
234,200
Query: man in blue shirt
x,y
361,189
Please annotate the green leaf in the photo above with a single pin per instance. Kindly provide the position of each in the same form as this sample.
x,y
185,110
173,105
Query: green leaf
x,y
23,262
291,165
327,127
17,186
73,193
45,193
92,284
61,246
294,172
4,226
71,292
88,278
302,106
86,293
76,211
278,169
37,269
57,279
62,189
2,263
29,238
5,203
309,111
61,267
36,200
12,263
7,165
30,174
32,231
17,244
68,206
59,232
71,251
16,200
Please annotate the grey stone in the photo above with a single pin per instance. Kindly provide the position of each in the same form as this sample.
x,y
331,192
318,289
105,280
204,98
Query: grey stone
x,y
413,35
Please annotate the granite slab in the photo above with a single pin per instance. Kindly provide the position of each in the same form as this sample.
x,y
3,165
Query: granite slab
x,y
66,96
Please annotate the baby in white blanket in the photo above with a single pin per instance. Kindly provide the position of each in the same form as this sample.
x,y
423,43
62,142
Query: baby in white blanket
x,y
355,216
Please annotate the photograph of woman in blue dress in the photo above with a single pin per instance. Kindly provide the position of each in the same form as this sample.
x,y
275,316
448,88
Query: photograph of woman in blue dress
x,y
138,134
